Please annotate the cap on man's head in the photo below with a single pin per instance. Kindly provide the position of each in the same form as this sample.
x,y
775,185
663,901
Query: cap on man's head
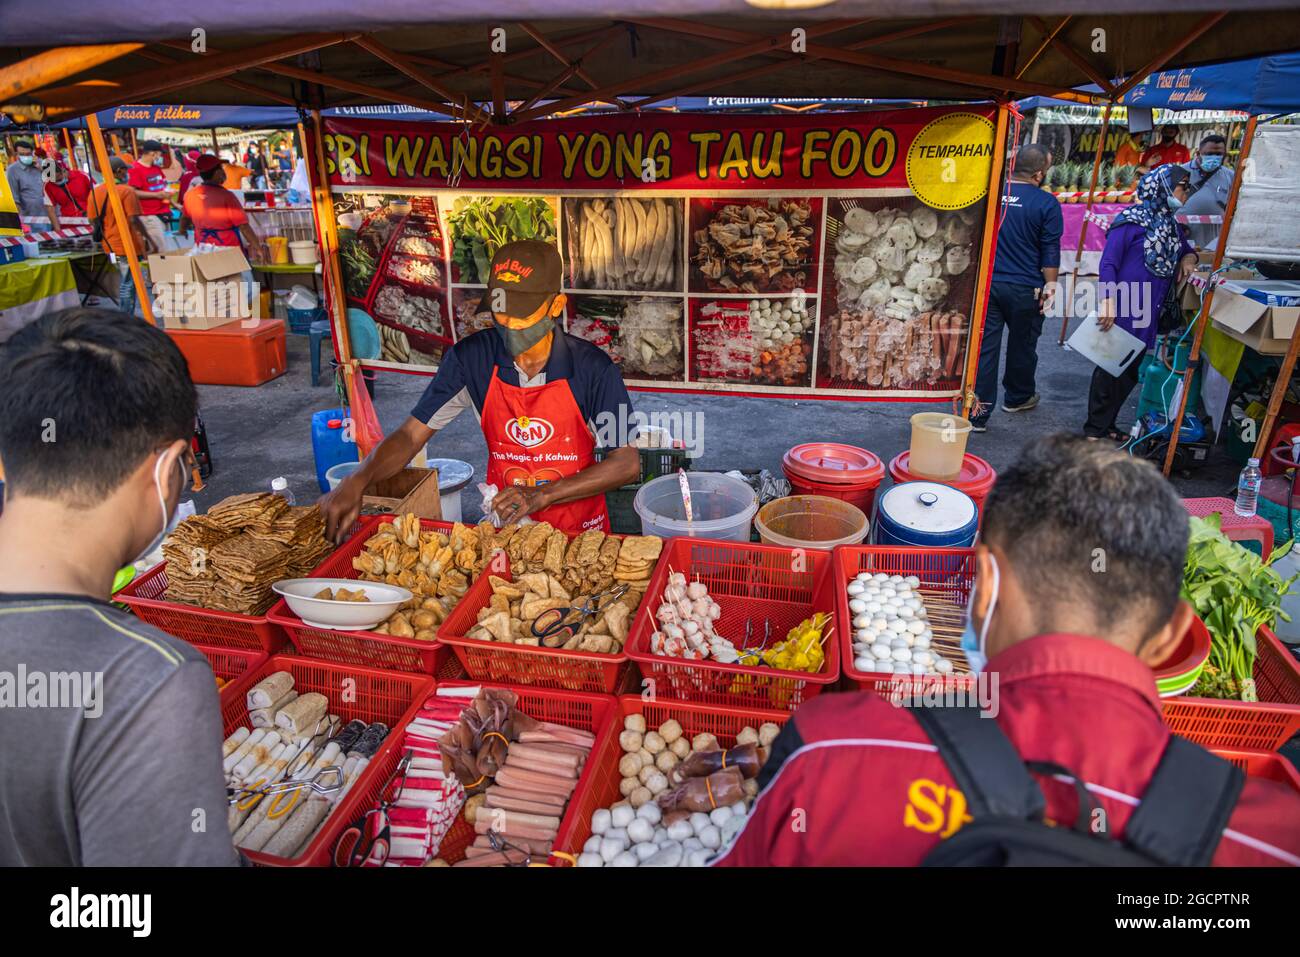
x,y
207,163
117,164
150,146
528,273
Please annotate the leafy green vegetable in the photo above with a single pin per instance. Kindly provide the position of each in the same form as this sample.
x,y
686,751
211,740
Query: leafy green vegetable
x,y
1234,591
359,265
480,225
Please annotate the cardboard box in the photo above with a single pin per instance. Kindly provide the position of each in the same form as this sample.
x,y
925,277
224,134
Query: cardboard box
x,y
410,490
1191,300
1266,329
190,292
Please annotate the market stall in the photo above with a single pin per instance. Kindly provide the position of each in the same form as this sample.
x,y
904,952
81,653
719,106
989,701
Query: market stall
x,y
473,690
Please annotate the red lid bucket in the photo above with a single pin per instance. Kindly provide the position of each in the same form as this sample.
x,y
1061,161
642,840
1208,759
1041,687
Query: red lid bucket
x,y
830,469
976,477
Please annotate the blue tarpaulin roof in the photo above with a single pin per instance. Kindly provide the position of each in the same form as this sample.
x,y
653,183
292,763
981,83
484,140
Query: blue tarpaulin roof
x,y
1269,84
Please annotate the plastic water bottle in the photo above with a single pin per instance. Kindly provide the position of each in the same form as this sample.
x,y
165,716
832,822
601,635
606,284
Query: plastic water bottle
x,y
279,486
1287,566
1248,483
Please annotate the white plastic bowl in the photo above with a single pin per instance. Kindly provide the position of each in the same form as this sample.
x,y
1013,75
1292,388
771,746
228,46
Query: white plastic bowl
x,y
341,615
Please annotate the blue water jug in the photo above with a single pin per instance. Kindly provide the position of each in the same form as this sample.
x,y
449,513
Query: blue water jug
x,y
327,443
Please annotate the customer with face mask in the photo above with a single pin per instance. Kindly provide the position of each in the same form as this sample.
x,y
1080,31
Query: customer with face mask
x,y
27,184
150,185
1146,254
96,417
1075,599
1208,188
1166,150
538,393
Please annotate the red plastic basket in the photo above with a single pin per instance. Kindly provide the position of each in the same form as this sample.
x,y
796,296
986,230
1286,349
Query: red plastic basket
x,y
946,575
536,666
1267,765
230,664
762,584
364,648
599,787
198,626
1263,725
586,712
388,696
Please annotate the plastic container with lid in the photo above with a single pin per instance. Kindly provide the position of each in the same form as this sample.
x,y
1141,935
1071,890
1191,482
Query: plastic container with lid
x,y
829,469
926,515
280,487
810,521
938,445
976,477
303,252
328,443
453,476
722,507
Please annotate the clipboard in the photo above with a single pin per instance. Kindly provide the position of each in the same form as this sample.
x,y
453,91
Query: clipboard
x,y
1113,350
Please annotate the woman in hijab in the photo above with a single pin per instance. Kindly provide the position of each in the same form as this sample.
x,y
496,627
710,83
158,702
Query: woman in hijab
x,y
1146,252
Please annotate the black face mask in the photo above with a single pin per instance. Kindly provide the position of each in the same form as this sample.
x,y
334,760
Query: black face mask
x,y
519,341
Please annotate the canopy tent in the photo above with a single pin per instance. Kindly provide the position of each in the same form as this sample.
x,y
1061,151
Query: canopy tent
x,y
1262,85
395,51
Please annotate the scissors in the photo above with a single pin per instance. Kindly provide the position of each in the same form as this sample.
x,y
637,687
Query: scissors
x,y
368,841
559,620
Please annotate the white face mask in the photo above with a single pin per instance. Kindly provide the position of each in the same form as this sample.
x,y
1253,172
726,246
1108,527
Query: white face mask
x,y
976,646
169,520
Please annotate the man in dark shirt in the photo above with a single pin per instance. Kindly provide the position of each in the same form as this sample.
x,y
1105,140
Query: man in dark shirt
x,y
540,395
111,729
1024,274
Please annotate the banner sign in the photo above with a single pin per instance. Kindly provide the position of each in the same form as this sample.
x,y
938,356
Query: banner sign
x,y
798,255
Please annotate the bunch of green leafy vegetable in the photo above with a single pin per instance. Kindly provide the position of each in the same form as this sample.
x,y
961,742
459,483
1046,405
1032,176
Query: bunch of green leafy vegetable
x,y
1234,591
359,265
480,225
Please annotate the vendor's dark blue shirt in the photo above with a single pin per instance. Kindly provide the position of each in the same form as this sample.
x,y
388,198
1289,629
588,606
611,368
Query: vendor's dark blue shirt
x,y
466,370
1030,238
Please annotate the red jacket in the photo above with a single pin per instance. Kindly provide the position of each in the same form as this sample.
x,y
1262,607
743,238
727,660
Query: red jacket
x,y
863,785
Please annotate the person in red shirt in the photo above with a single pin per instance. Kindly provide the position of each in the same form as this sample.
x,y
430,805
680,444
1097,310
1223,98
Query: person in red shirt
x,y
1076,597
215,213
150,185
69,190
1168,150
190,172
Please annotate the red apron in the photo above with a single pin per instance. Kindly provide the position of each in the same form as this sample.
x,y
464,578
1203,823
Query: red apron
x,y
538,435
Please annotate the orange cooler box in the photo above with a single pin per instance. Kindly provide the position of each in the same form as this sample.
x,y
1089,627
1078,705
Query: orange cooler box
x,y
234,353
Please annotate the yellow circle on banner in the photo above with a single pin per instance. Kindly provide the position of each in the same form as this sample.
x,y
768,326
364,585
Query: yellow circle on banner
x,y
948,163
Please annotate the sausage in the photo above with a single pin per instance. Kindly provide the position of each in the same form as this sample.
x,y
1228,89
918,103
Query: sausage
x,y
510,803
537,755
542,767
484,843
509,829
536,797
536,781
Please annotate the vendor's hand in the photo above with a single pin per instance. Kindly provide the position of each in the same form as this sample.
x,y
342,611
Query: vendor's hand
x,y
519,501
1106,314
1186,267
340,508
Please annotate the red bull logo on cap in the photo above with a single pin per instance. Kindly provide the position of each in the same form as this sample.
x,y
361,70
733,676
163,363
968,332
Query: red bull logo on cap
x,y
529,432
511,270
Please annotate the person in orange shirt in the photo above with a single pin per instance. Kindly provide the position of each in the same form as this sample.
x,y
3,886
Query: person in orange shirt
x,y
1168,150
1130,151
234,178
214,211
100,208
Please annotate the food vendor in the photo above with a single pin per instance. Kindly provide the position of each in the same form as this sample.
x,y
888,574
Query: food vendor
x,y
218,218
537,392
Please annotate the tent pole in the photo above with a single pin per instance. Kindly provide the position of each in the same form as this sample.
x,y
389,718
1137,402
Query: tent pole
x,y
984,279
1203,319
119,216
329,244
67,143
1083,226
135,145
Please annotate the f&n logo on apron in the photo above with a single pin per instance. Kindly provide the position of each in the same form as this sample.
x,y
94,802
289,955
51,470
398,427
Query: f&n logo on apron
x,y
529,432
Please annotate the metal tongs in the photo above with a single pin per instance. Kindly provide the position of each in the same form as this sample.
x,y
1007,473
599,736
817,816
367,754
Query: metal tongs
x,y
556,620
319,783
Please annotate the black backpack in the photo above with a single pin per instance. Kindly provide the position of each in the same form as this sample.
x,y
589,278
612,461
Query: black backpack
x,y
1179,822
